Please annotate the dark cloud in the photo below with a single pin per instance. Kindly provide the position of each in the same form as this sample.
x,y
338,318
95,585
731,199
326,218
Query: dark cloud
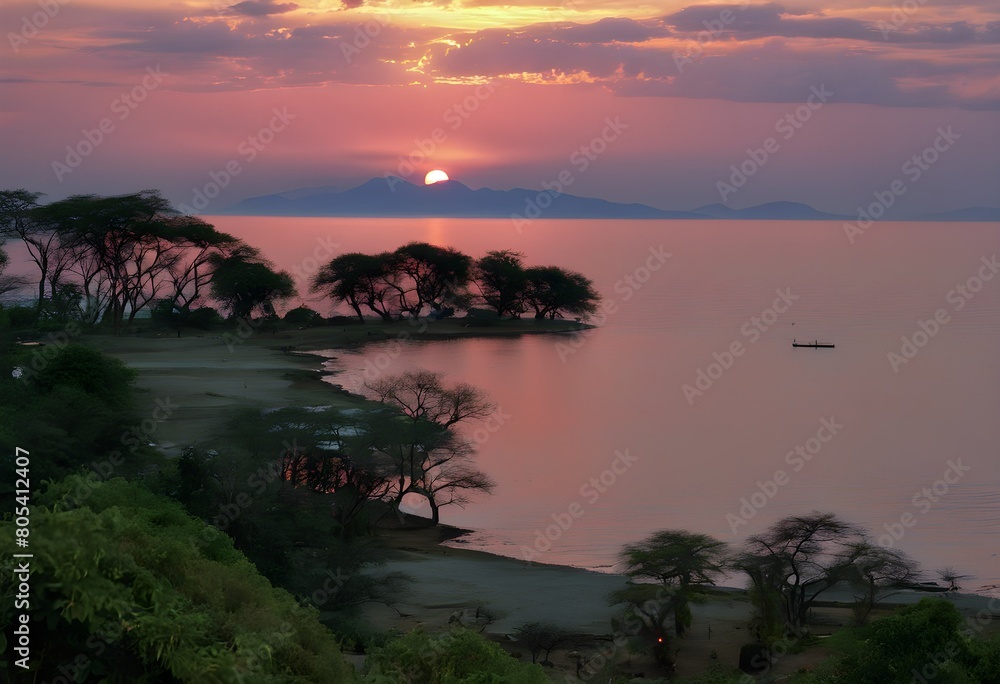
x,y
765,54
748,22
262,8
607,30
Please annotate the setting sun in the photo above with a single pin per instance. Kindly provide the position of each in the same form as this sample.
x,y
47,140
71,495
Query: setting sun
x,y
435,176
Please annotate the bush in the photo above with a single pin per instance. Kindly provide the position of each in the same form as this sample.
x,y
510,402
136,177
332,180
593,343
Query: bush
x,y
926,635
303,315
88,370
20,317
149,593
203,318
456,657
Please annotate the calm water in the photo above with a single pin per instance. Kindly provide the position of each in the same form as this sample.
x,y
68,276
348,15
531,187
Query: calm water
x,y
574,401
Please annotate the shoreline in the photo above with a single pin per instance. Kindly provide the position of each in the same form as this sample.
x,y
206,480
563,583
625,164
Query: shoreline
x,y
204,378
262,370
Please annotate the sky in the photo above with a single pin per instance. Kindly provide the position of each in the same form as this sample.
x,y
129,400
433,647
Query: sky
x,y
667,103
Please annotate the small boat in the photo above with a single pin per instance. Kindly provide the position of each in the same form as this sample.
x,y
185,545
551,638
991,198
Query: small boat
x,y
815,345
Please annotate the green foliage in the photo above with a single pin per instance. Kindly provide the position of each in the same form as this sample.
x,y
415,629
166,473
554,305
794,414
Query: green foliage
x,y
985,659
132,588
72,404
680,563
456,657
89,371
906,641
929,639
20,317
716,674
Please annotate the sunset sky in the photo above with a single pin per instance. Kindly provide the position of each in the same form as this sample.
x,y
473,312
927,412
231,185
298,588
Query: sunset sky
x,y
502,94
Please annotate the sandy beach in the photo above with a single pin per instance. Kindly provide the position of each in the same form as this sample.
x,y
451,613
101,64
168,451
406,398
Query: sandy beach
x,y
204,377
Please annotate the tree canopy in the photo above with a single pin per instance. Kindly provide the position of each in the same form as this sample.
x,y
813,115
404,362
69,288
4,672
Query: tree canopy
x,y
420,279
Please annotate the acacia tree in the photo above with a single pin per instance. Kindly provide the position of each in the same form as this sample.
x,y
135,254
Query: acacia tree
x,y
358,280
878,572
244,282
554,292
204,247
679,561
430,458
429,276
17,220
502,282
797,559
123,248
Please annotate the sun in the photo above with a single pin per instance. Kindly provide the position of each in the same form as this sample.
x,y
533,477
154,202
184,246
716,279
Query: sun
x,y
435,176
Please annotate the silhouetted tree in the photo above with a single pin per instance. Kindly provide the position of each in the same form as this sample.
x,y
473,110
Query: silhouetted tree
x,y
430,276
18,220
430,458
503,282
797,559
554,292
878,572
244,282
123,248
358,280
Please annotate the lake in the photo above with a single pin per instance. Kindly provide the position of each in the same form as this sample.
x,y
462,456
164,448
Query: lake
x,y
689,407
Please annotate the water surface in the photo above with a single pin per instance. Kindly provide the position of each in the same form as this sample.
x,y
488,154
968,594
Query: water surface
x,y
574,401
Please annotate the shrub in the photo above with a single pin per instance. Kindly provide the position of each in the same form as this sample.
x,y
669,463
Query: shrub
x,y
303,315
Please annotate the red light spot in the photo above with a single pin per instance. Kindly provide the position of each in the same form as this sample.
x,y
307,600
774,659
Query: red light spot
x,y
659,640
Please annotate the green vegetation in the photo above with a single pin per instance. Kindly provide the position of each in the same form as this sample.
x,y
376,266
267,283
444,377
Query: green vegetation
x,y
72,404
456,657
127,585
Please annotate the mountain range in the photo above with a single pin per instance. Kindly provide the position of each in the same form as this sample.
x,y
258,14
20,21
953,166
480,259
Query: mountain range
x,y
395,197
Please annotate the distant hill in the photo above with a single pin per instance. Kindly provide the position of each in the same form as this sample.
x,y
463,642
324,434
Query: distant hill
x,y
986,214
772,211
393,196
396,197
